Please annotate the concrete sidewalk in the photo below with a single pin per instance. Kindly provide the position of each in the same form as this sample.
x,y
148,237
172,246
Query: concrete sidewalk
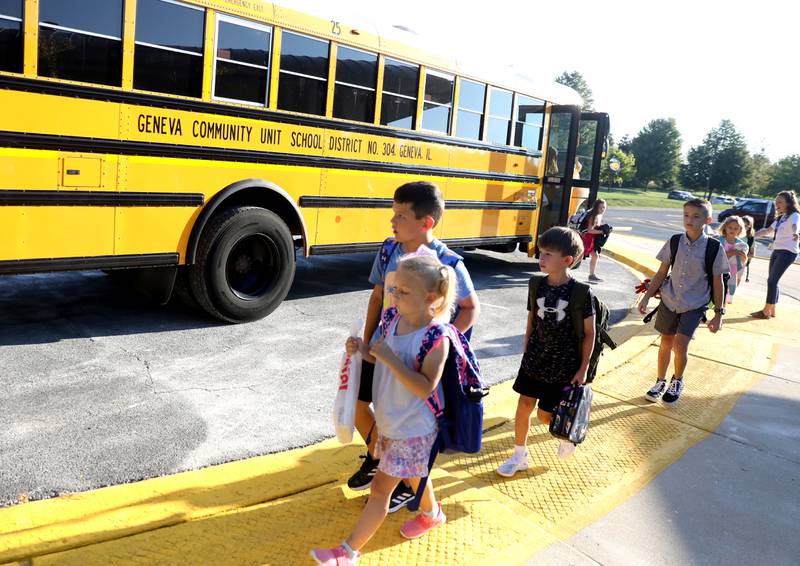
x,y
273,509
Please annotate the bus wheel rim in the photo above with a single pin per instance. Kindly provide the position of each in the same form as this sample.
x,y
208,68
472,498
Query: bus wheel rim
x,y
252,266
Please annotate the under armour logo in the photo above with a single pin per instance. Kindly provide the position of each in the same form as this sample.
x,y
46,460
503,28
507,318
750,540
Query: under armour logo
x,y
560,311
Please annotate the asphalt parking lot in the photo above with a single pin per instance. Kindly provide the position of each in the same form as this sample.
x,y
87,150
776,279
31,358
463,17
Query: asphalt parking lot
x,y
103,387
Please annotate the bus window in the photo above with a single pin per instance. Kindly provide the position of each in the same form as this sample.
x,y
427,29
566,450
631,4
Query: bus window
x,y
438,102
560,123
303,81
530,119
242,61
11,35
81,40
356,79
584,156
400,86
471,99
500,102
169,47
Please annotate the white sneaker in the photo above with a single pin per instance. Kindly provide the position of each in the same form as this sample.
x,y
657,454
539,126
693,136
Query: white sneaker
x,y
513,465
565,448
656,391
673,392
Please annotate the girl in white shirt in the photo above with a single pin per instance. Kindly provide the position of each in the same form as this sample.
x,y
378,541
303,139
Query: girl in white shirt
x,y
423,291
784,247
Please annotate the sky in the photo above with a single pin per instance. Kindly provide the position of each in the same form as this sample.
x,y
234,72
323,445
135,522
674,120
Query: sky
x,y
697,61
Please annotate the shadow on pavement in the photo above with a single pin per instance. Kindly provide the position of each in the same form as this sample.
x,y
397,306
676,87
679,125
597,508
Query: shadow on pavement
x,y
44,308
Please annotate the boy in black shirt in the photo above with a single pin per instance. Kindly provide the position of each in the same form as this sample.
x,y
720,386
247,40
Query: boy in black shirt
x,y
552,357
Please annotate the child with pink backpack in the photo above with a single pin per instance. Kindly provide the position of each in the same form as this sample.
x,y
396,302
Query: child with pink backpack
x,y
423,293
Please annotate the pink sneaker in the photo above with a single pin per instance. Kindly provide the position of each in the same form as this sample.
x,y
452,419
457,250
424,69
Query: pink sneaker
x,y
333,557
421,524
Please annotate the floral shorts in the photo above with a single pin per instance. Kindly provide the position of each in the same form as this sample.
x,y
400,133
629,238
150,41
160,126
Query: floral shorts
x,y
407,458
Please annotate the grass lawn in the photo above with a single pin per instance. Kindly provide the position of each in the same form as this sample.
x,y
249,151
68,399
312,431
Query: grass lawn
x,y
638,198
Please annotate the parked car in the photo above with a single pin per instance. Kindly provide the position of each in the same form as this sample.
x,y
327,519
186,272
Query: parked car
x,y
680,195
722,199
762,211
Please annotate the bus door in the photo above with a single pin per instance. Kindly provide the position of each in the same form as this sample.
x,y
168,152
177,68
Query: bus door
x,y
589,154
575,144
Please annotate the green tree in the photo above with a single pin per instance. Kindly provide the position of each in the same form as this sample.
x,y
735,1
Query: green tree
x,y
785,175
730,160
720,164
625,143
576,81
627,169
760,174
694,173
657,148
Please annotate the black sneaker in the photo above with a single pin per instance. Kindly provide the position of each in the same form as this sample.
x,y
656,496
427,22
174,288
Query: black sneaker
x,y
656,391
401,496
363,477
673,392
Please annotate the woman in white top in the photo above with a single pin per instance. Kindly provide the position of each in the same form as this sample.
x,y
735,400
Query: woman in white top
x,y
784,246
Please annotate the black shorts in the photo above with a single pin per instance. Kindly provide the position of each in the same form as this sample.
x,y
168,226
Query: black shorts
x,y
548,394
671,323
365,389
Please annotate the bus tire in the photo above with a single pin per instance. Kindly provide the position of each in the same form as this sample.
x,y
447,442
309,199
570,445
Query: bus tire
x,y
182,291
245,264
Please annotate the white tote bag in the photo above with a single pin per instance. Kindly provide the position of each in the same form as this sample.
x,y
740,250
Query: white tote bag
x,y
348,382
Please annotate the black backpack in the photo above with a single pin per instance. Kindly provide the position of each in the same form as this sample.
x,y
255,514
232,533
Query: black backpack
x,y
712,248
577,299
576,221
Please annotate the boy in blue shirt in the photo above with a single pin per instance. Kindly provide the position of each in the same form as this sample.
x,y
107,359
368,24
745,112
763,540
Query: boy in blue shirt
x,y
417,209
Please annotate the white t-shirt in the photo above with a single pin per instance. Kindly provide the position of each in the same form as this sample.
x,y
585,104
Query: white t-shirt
x,y
785,229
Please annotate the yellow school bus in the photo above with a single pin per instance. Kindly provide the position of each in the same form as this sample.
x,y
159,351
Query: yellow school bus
x,y
202,144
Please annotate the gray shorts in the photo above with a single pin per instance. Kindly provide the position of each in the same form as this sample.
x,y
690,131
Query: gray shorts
x,y
671,323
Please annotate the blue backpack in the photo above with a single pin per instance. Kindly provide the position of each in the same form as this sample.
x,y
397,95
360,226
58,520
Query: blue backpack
x,y
459,414
447,257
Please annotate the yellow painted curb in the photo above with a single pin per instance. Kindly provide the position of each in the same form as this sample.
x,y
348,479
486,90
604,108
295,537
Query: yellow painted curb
x,y
640,261
74,520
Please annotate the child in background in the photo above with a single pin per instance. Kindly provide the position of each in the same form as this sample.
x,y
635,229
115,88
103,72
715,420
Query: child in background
x,y
735,250
685,294
590,230
552,358
750,236
423,291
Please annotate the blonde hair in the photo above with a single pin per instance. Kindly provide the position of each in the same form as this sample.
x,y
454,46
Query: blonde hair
x,y
437,278
731,220
752,230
